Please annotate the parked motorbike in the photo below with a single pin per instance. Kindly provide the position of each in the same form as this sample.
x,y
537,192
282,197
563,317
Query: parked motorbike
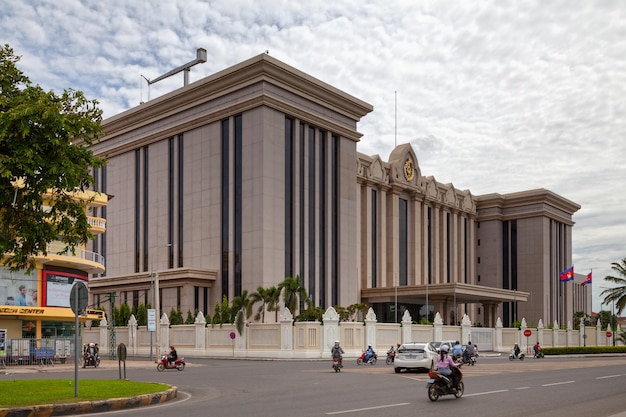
x,y
513,355
178,364
361,359
439,384
337,365
391,354
90,360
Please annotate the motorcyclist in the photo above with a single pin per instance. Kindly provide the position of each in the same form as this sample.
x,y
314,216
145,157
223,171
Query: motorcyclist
x,y
537,349
469,351
391,352
457,350
445,363
369,353
93,351
516,350
172,356
337,353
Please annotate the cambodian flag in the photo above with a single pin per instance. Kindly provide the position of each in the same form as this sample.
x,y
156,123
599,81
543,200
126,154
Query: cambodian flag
x,y
567,275
587,280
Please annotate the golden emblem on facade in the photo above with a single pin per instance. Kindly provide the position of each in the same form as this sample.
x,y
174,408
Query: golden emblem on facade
x,y
409,172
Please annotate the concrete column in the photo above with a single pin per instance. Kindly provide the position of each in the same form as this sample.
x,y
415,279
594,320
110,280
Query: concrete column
x,y
200,324
286,330
582,336
466,328
331,330
498,344
540,329
555,334
370,328
132,335
438,327
164,341
406,327
104,337
569,334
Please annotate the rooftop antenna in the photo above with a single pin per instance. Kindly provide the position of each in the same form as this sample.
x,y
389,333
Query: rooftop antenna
x,y
200,59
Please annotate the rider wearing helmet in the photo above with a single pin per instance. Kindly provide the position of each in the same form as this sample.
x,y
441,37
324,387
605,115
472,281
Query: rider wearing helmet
x,y
369,353
172,356
337,352
445,365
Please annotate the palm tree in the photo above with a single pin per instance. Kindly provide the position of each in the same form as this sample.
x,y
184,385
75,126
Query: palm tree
x,y
264,296
243,303
292,292
273,302
616,294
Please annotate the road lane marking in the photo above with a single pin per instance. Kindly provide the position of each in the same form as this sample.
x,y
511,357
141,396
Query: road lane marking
x,y
523,388
558,383
485,393
356,410
608,376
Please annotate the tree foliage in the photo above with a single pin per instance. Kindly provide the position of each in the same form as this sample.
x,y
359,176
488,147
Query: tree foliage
x,y
42,138
616,294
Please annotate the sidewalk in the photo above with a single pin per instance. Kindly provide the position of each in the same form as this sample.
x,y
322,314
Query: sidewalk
x,y
67,367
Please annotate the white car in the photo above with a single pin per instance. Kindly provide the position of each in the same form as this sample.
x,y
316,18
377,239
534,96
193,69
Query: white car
x,y
415,356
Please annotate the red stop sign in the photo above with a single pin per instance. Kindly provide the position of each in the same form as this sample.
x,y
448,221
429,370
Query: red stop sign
x,y
527,332
609,334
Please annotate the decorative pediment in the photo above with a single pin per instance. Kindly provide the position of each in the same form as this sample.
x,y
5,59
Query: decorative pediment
x,y
377,171
403,165
449,197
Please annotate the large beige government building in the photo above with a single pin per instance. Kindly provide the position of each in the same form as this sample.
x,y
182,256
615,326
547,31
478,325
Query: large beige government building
x,y
252,175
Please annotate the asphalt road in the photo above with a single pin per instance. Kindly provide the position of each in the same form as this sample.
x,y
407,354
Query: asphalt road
x,y
572,387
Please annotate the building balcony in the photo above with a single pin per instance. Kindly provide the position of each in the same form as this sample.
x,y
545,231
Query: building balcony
x,y
84,260
98,224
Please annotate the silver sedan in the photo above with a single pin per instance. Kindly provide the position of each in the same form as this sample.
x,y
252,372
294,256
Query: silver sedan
x,y
415,356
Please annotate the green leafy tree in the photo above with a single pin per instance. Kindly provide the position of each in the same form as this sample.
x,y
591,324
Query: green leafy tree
x,y
221,314
293,292
311,314
242,303
616,294
606,318
357,311
191,319
273,302
263,296
142,315
122,314
176,316
41,153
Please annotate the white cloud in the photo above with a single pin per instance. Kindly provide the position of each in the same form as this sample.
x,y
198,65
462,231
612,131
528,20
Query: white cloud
x,y
496,96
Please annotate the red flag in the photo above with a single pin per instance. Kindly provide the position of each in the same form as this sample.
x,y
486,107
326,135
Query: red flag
x,y
567,275
587,280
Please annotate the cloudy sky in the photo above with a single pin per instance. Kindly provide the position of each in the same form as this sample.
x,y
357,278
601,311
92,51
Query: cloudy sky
x,y
495,96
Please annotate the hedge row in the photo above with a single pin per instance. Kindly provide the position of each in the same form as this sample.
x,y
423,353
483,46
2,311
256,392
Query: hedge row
x,y
583,350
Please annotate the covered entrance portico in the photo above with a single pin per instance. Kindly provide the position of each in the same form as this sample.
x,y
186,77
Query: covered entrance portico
x,y
446,297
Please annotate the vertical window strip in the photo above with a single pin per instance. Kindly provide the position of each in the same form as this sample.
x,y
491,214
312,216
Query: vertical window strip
x,y
312,211
225,219
374,239
289,190
238,204
181,192
403,243
322,219
335,220
429,250
146,207
103,213
170,202
301,199
137,209
448,248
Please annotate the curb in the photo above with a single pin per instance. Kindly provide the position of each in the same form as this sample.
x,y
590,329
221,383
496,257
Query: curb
x,y
82,407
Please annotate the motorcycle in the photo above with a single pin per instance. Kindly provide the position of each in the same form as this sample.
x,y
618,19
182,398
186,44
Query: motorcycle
x,y
439,384
513,355
391,354
337,365
468,359
90,360
372,360
178,364
539,354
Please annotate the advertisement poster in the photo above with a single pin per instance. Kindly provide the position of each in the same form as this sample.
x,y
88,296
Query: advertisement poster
x,y
58,286
18,288
3,339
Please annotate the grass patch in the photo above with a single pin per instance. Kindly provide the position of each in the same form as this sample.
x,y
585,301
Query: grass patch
x,y
23,393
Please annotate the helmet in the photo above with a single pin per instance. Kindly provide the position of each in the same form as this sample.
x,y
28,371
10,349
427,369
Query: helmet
x,y
445,348
172,347
336,342
92,345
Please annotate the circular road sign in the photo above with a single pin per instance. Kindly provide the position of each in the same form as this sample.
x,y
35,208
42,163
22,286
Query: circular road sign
x,y
527,332
79,298
233,335
609,334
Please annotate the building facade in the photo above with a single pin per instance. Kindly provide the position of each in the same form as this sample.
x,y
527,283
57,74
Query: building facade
x,y
251,175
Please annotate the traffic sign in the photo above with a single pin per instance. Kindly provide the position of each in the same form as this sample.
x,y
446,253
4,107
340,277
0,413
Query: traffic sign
x,y
609,334
152,320
527,332
79,298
